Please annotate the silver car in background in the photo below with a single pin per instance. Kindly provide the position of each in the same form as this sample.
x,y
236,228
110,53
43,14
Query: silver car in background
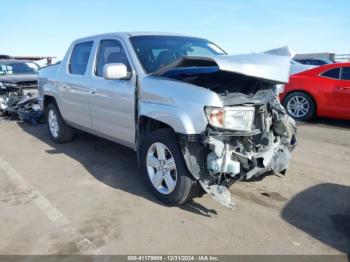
x,y
197,118
18,82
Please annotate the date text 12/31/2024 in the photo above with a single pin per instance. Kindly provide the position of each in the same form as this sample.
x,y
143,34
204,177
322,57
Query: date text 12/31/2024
x,y
173,258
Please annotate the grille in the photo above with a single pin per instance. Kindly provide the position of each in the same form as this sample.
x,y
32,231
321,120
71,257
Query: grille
x,y
27,83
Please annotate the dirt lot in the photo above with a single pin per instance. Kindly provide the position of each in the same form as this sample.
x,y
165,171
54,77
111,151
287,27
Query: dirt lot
x,y
89,197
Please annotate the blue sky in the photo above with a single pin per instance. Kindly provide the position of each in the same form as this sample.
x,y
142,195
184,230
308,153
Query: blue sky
x,y
44,27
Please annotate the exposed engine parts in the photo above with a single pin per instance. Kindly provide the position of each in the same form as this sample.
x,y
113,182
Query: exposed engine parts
x,y
21,103
236,156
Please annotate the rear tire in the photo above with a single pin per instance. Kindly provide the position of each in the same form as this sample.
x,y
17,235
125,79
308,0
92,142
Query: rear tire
x,y
300,106
157,171
59,130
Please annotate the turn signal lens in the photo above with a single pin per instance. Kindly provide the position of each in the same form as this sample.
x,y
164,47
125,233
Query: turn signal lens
x,y
216,117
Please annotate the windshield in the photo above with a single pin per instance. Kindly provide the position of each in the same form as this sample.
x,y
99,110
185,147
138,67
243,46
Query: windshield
x,y
154,52
18,68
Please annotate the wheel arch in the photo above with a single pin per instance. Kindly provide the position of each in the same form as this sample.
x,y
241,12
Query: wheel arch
x,y
55,98
145,126
193,152
47,99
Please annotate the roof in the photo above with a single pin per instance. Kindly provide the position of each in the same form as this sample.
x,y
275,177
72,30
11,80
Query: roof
x,y
15,60
153,33
32,58
333,65
322,68
5,56
127,34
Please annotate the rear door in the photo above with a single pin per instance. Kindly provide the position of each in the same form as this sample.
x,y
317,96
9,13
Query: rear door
x,y
75,89
112,102
342,92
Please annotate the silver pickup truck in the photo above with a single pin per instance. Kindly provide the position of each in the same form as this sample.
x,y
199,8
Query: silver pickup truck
x,y
197,118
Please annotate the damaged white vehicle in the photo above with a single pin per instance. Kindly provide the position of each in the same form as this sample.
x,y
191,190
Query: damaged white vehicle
x,y
197,118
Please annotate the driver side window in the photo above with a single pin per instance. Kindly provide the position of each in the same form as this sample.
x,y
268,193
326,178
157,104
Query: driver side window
x,y
110,51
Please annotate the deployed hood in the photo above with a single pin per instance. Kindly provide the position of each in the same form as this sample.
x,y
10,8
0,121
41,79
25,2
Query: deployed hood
x,y
295,67
282,51
273,68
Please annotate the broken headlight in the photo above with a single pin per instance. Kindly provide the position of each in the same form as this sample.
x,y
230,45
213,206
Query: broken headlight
x,y
237,118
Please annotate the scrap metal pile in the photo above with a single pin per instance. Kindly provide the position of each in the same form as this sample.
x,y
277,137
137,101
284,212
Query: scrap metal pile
x,y
20,101
19,90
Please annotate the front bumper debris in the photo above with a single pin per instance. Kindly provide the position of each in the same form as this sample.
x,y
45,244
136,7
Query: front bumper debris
x,y
220,193
219,158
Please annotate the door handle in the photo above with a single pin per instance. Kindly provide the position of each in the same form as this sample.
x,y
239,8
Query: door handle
x,y
93,91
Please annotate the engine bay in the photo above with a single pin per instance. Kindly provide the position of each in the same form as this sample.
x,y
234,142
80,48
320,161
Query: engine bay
x,y
220,156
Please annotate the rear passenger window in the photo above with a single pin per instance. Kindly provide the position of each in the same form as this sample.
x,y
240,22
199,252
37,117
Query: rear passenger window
x,y
110,51
345,73
333,73
79,58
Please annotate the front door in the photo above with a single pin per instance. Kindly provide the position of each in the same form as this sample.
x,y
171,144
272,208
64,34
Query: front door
x,y
112,102
342,92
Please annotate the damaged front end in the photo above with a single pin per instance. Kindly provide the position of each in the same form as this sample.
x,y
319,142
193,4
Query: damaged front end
x,y
218,157
20,100
247,138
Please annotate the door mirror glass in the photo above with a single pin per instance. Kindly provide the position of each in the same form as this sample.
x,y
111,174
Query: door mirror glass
x,y
116,71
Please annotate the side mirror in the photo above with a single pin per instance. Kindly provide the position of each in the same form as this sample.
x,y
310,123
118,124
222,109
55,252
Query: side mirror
x,y
115,71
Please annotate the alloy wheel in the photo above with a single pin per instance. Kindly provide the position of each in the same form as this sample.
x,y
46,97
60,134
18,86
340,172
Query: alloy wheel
x,y
298,106
53,123
161,168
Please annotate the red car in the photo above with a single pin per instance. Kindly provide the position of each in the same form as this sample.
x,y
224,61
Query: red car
x,y
322,91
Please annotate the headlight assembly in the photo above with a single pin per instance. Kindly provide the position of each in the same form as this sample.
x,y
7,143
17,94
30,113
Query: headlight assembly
x,y
237,118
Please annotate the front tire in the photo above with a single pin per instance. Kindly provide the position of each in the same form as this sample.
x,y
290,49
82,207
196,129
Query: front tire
x,y
300,106
165,169
60,132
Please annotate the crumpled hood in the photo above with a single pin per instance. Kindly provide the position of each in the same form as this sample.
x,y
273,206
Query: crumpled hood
x,y
18,78
282,51
274,68
295,66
